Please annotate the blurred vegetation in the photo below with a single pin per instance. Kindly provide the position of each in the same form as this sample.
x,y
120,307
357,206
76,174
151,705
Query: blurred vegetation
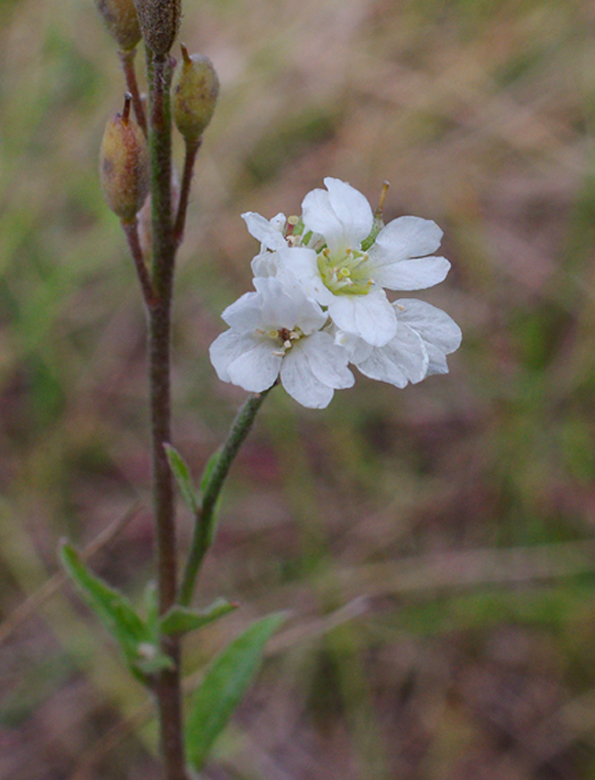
x,y
419,645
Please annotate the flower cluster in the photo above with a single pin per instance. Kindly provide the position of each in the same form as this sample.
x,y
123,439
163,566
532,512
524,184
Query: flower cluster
x,y
320,302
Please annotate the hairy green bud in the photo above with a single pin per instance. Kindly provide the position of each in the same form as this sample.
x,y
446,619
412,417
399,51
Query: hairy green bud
x,y
159,23
124,165
195,92
121,20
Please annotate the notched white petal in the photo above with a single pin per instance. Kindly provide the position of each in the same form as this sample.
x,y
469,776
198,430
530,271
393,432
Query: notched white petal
x,y
417,274
408,237
371,317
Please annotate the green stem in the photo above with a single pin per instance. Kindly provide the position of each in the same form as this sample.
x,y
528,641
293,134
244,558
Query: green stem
x,y
204,522
167,687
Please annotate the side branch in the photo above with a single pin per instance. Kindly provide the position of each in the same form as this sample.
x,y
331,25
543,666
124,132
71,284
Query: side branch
x,y
192,148
131,231
127,60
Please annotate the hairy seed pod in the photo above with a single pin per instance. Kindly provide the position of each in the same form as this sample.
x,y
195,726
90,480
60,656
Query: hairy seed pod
x,y
195,92
124,165
159,23
121,20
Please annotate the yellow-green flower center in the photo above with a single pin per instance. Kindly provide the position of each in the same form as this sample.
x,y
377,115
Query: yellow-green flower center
x,y
345,274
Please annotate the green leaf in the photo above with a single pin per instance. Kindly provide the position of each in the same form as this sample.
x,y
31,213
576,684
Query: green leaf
x,y
223,686
112,608
180,620
183,477
208,470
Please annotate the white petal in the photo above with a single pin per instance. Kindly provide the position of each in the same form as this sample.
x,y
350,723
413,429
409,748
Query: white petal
x,y
418,274
352,210
244,315
439,332
302,263
257,368
408,237
433,325
371,317
327,360
225,349
264,231
357,349
319,217
404,359
265,264
288,307
278,307
299,381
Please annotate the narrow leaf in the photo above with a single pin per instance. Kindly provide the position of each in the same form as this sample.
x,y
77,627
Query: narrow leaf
x,y
223,686
183,477
112,608
208,469
180,620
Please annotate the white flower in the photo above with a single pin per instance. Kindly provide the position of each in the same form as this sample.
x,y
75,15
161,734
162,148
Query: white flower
x,y
348,275
270,233
276,332
425,335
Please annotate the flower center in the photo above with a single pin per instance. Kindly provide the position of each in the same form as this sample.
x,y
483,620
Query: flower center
x,y
284,338
346,274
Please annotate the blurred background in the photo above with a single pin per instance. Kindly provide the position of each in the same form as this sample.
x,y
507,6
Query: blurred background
x,y
433,546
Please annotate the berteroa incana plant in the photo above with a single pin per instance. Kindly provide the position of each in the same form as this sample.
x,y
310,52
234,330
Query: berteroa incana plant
x,y
319,306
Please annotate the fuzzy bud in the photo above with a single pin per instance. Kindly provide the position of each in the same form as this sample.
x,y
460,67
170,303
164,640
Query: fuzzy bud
x,y
121,20
196,88
159,22
124,165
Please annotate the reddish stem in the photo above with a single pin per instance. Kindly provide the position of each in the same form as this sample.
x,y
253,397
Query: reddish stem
x,y
131,231
192,148
127,60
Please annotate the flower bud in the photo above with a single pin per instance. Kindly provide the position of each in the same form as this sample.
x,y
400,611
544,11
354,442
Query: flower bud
x,y
121,20
159,22
195,93
124,165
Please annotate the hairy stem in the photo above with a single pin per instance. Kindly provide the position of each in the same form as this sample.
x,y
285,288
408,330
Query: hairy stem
x,y
205,521
167,687
192,148
131,231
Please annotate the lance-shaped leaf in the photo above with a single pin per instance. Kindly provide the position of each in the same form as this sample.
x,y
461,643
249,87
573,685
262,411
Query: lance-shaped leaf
x,y
181,620
208,470
183,477
223,686
112,608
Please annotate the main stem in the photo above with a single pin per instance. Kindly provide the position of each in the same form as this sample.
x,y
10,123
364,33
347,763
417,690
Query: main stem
x,y
167,687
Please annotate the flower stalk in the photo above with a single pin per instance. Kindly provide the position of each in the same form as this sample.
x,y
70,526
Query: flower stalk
x,y
205,521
